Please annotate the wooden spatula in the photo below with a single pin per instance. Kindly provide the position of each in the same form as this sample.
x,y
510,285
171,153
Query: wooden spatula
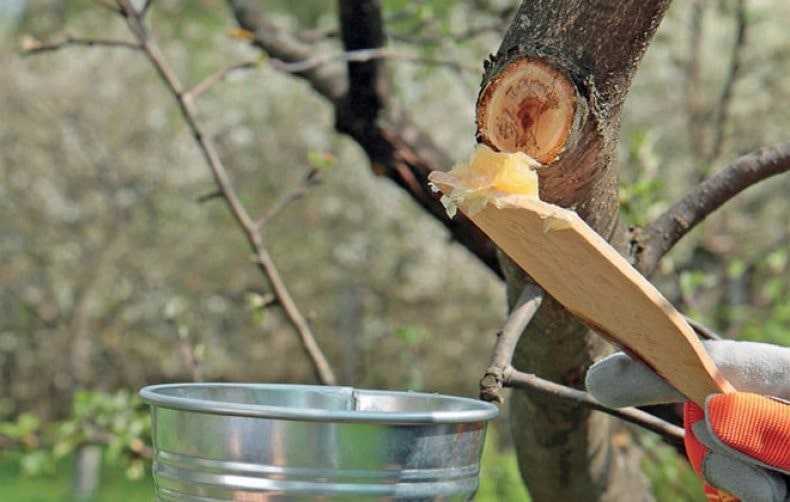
x,y
593,281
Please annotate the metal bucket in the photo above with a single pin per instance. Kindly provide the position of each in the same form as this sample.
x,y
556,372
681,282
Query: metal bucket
x,y
256,442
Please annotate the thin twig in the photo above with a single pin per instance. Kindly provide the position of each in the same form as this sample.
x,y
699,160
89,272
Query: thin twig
x,y
215,194
364,55
668,431
723,109
522,313
310,179
702,330
205,84
31,46
254,238
654,241
145,7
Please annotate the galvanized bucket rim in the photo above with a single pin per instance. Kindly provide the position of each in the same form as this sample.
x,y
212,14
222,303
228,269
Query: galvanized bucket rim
x,y
475,410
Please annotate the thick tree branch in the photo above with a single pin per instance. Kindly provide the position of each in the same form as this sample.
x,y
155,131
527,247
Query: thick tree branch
x,y
396,147
528,381
222,179
654,241
526,306
555,90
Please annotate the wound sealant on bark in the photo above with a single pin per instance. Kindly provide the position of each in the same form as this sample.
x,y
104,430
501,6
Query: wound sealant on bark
x,y
489,177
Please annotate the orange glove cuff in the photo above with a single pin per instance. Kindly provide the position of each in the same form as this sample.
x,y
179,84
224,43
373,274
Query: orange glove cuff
x,y
754,425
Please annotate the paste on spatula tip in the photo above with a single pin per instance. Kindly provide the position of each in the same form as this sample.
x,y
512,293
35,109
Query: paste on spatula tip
x,y
489,177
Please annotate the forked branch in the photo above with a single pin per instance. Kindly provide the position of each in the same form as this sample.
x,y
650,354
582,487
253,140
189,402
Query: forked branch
x,y
522,313
661,235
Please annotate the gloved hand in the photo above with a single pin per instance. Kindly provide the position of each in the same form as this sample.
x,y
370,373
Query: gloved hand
x,y
740,442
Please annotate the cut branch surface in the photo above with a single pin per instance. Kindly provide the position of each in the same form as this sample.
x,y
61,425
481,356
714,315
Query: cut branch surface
x,y
529,107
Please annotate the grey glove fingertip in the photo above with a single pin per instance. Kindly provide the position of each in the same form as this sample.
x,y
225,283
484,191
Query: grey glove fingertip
x,y
762,368
747,482
618,381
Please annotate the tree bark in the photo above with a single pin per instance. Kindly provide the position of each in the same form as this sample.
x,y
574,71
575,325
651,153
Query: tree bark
x,y
566,451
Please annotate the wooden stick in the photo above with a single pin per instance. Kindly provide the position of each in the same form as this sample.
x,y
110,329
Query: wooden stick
x,y
594,282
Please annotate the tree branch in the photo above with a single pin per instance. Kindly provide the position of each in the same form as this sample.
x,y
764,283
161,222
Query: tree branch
x,y
528,381
206,84
144,9
654,241
255,239
310,179
394,145
723,109
366,55
31,46
525,308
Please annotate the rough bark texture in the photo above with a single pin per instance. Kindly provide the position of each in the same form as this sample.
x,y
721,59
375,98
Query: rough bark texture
x,y
567,452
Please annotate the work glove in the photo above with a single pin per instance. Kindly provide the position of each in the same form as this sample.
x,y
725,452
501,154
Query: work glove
x,y
740,442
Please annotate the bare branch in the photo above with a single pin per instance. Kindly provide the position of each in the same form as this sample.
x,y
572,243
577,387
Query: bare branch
x,y
723,109
145,7
702,330
310,179
254,238
215,194
522,313
31,46
217,77
528,381
359,94
365,55
654,241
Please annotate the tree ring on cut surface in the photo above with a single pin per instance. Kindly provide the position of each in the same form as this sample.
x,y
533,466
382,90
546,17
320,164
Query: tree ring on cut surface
x,y
529,107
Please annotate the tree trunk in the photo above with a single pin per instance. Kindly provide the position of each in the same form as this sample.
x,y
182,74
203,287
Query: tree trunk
x,y
554,90
592,48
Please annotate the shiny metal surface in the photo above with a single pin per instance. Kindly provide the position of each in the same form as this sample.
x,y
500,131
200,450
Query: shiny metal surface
x,y
257,442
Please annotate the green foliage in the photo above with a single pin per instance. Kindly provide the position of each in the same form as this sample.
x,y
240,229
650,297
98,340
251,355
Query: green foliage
x,y
119,420
637,199
412,336
640,197
56,485
671,477
322,161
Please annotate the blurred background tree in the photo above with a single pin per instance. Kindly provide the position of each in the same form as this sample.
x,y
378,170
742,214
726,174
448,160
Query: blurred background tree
x,y
115,275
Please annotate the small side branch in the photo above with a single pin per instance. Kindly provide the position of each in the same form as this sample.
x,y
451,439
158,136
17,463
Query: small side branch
x,y
661,235
527,305
668,431
722,112
31,46
310,179
217,77
701,330
365,55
